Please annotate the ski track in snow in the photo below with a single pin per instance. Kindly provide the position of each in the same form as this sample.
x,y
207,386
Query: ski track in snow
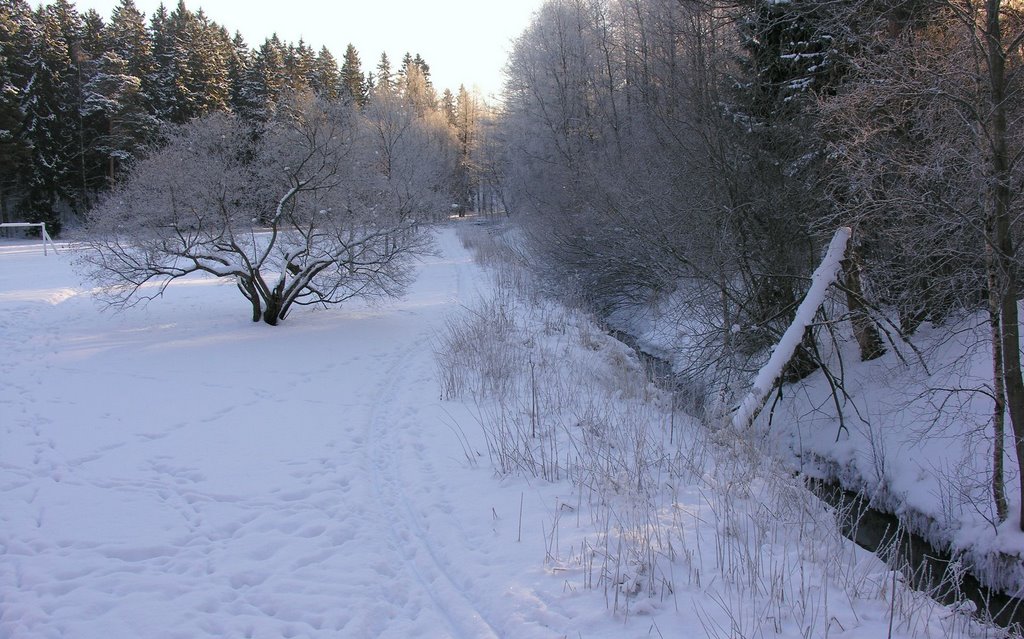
x,y
235,497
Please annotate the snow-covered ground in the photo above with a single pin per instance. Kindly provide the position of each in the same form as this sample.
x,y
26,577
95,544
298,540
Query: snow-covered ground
x,y
178,471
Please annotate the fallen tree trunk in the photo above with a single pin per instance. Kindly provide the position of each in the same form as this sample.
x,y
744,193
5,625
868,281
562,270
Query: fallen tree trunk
x,y
823,278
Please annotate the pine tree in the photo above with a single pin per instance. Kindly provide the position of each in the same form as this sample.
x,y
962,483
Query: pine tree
x,y
238,68
15,30
94,35
117,112
129,38
353,84
51,121
208,61
299,60
424,68
159,82
448,108
263,82
415,84
403,70
326,78
385,76
191,74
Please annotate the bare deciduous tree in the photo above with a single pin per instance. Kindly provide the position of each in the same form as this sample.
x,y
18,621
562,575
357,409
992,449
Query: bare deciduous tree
x,y
300,214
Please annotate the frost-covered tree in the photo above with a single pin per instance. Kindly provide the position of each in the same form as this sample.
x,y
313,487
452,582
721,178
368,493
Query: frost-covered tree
x,y
298,61
263,82
928,145
303,214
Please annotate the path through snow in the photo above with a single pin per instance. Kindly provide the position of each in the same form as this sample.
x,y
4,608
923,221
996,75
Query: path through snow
x,y
177,471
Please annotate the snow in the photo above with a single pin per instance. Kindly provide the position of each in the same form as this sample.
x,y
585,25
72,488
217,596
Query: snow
x,y
176,470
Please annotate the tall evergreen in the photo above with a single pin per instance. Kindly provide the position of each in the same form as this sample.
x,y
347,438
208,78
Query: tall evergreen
x,y
448,108
209,61
326,78
414,83
15,31
130,39
238,67
264,80
159,82
299,61
353,84
117,112
49,102
94,35
384,76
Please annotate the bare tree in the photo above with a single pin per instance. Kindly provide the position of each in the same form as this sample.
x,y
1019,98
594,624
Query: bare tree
x,y
927,139
299,214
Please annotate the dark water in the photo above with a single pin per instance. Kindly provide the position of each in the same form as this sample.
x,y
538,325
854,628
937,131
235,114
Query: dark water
x,y
689,395
926,568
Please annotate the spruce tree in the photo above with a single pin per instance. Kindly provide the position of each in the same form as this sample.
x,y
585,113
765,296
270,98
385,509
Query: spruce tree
x,y
299,61
159,82
385,76
264,80
238,68
49,103
15,30
208,60
448,108
182,33
117,110
326,78
130,39
353,84
94,35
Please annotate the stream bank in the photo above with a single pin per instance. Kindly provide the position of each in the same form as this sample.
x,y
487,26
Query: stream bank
x,y
942,576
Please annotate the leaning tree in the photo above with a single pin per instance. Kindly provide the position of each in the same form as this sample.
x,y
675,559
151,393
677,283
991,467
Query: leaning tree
x,y
299,213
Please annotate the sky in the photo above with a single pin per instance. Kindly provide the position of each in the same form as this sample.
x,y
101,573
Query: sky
x,y
463,41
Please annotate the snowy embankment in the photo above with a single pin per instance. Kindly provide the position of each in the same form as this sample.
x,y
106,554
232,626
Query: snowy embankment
x,y
911,430
178,471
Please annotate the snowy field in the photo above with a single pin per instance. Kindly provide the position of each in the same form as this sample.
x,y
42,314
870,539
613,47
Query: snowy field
x,y
178,471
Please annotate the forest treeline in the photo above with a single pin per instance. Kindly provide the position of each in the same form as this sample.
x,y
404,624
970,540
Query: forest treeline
x,y
82,97
704,151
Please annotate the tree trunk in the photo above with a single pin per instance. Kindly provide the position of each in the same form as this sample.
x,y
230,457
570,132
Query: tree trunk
x,y
998,392
864,330
1014,384
249,291
1002,241
272,314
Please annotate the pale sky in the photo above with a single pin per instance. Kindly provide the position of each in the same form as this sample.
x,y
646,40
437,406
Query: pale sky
x,y
463,41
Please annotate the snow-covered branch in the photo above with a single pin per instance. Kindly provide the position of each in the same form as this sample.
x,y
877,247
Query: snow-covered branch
x,y
823,278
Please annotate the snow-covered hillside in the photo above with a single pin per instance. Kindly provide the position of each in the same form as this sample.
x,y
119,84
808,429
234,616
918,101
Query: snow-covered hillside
x,y
178,471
